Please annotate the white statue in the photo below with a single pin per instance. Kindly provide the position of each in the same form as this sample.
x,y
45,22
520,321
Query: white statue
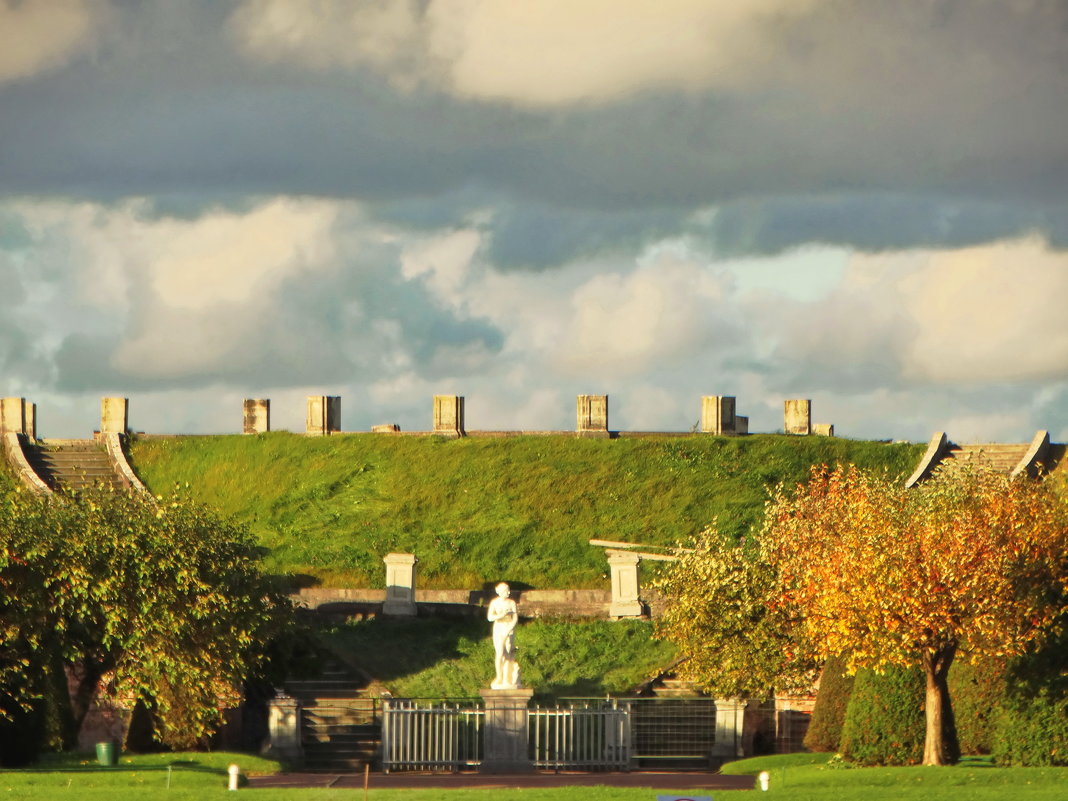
x,y
503,614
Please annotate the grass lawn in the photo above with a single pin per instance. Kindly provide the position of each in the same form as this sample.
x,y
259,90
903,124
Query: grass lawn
x,y
799,777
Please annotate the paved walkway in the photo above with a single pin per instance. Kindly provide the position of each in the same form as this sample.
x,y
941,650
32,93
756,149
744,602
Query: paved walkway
x,y
395,781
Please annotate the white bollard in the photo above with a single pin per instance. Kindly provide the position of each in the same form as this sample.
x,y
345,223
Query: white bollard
x,y
234,772
765,778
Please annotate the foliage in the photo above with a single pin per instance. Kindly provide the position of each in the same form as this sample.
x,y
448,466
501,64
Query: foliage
x,y
1032,727
970,560
724,620
160,602
560,658
331,507
884,720
828,715
977,689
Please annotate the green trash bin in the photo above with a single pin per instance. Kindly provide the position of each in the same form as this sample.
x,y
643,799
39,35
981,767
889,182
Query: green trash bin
x,y
107,754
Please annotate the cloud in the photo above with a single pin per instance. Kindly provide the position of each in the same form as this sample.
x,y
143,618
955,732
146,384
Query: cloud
x,y
540,53
976,316
39,35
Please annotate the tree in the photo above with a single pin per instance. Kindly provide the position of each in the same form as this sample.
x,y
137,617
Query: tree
x,y
162,602
734,638
970,562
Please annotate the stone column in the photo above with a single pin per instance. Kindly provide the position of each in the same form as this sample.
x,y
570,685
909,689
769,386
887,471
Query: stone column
x,y
29,416
13,415
400,584
324,415
283,724
449,415
505,739
114,415
823,429
797,417
730,728
625,599
592,416
257,416
717,414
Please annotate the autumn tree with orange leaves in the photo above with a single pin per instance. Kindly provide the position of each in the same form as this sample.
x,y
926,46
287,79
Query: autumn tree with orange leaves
x,y
970,563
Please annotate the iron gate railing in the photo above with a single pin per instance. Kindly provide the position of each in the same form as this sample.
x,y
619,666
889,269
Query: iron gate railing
x,y
431,735
583,737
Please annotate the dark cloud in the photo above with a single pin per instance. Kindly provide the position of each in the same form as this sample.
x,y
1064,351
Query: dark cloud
x,y
864,116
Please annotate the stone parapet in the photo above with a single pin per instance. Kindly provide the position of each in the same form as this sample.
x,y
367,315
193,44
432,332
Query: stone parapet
x,y
449,415
592,416
114,415
257,416
797,417
324,415
12,415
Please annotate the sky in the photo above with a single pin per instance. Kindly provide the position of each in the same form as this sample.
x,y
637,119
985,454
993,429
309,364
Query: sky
x,y
858,202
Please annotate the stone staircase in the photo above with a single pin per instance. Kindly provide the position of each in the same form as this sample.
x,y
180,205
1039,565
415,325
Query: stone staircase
x,y
995,455
341,724
73,464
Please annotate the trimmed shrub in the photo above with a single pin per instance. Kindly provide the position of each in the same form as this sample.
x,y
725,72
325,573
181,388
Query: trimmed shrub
x,y
977,691
884,723
828,715
1032,724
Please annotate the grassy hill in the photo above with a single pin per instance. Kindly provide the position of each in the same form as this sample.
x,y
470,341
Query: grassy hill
x,y
485,509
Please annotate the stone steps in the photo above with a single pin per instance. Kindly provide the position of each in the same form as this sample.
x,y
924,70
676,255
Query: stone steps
x,y
998,456
73,464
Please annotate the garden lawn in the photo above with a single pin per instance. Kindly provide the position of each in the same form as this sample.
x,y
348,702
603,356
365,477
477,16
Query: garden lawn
x,y
478,510
820,777
799,777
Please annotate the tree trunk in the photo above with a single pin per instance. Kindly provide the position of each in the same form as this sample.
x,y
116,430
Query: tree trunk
x,y
940,744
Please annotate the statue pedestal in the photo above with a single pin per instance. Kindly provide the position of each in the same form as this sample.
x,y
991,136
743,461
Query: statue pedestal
x,y
505,747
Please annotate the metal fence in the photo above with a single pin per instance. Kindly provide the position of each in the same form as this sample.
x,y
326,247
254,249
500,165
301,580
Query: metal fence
x,y
431,736
586,737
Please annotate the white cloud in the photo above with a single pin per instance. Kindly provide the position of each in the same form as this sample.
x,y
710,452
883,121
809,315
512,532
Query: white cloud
x,y
37,35
536,52
989,313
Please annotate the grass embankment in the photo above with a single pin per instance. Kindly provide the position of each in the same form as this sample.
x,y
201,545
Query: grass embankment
x,y
453,659
477,510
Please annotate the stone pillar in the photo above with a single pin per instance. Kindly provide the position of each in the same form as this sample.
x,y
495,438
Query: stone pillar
x,y
114,415
823,429
283,725
324,415
717,414
505,739
449,415
730,728
592,416
400,584
29,416
625,599
257,417
741,425
797,417
13,415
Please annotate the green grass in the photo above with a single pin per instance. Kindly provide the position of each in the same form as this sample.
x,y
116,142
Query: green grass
x,y
810,777
485,509
798,777
453,659
136,776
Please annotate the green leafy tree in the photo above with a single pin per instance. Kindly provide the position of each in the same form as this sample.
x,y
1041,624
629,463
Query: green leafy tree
x,y
735,640
156,602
